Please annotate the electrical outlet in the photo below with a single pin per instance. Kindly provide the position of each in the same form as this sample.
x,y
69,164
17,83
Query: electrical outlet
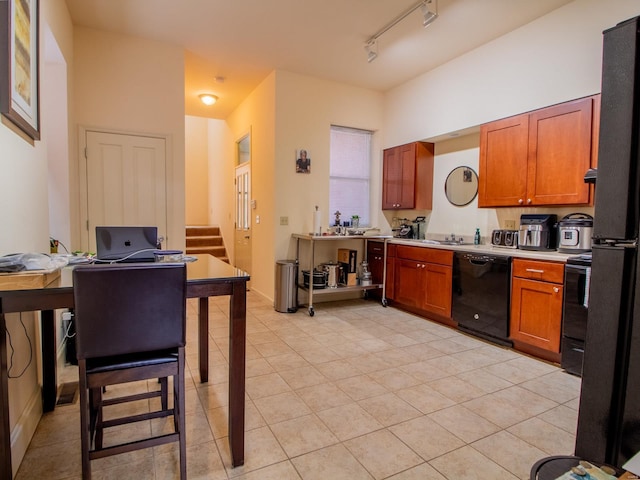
x,y
284,220
510,224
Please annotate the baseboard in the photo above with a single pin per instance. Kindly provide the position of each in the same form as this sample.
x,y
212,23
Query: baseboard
x,y
24,429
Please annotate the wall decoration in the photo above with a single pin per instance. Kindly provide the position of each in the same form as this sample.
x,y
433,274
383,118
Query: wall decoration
x,y
19,64
303,161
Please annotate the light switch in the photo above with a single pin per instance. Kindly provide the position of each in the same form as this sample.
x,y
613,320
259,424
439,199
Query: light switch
x,y
284,220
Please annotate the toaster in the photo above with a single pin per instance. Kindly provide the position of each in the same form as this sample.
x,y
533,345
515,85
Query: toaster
x,y
504,238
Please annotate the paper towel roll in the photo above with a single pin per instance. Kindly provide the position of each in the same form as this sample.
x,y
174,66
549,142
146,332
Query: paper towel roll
x,y
316,223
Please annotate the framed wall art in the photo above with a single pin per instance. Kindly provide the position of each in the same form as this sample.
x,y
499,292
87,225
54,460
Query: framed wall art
x,y
19,64
303,161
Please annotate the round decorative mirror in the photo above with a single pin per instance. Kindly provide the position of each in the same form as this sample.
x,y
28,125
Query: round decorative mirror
x,y
461,186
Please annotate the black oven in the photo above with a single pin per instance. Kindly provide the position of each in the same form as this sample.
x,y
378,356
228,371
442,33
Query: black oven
x,y
577,277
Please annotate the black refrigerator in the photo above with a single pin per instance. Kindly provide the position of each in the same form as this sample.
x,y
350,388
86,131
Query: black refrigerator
x,y
609,416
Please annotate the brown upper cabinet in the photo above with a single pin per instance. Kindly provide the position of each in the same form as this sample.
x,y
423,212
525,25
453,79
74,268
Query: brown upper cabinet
x,y
407,177
540,158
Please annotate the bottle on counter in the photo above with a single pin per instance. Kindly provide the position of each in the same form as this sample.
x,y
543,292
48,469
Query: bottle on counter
x,y
476,237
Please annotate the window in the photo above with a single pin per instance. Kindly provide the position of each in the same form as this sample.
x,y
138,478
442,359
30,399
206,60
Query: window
x,y
349,174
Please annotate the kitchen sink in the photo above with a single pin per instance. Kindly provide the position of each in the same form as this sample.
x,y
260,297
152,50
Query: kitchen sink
x,y
445,242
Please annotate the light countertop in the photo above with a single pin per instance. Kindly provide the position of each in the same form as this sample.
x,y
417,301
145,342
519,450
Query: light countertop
x,y
550,255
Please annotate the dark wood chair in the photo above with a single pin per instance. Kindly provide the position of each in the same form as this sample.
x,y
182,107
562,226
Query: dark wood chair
x,y
130,326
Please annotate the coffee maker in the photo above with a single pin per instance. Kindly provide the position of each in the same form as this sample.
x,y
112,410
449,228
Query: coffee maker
x,y
538,232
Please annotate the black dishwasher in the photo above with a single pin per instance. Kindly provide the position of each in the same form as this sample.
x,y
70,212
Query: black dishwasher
x,y
481,295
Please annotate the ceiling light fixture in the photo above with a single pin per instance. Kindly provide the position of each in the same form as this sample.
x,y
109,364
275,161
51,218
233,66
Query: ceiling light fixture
x,y
371,45
208,98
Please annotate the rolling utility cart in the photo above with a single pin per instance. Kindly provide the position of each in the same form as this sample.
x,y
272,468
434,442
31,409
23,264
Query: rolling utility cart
x,y
312,239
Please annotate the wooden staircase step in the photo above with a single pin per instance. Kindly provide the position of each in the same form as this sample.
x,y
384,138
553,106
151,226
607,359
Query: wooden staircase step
x,y
205,240
218,251
209,240
204,230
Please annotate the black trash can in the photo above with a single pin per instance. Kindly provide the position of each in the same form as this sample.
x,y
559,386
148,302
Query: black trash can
x,y
286,297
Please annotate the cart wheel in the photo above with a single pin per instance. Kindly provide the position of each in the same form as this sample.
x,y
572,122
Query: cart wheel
x,y
311,312
384,302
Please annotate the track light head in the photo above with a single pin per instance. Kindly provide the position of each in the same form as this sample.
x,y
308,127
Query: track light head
x,y
429,15
372,50
429,10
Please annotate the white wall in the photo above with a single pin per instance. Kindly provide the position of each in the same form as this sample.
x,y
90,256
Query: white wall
x,y
446,218
24,217
306,109
285,113
550,60
257,114
196,171
55,114
221,160
128,84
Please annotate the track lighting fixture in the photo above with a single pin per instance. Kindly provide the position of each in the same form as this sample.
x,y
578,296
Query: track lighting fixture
x,y
372,50
429,13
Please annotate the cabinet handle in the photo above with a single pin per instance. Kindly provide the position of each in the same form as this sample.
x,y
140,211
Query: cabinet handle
x,y
534,270
520,201
556,289
528,200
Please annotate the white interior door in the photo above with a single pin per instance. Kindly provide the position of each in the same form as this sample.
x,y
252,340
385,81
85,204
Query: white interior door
x,y
126,182
242,237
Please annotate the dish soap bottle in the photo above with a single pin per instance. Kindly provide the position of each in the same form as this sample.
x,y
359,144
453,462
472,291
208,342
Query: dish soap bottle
x,y
476,237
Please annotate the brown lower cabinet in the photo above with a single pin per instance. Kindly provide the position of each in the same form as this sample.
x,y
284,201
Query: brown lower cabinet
x,y
536,307
421,281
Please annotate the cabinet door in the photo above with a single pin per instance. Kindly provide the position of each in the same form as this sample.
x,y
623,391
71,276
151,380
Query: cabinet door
x,y
391,178
399,177
438,289
409,282
390,286
376,266
559,154
503,162
536,313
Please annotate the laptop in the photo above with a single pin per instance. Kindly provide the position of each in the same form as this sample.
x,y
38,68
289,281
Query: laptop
x,y
126,244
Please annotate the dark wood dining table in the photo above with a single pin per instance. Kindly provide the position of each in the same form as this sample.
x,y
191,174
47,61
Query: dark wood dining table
x,y
206,277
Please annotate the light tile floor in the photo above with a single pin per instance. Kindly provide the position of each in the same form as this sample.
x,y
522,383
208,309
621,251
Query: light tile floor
x,y
358,391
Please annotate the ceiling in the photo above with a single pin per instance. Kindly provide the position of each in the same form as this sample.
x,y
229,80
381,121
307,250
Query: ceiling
x,y
242,41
